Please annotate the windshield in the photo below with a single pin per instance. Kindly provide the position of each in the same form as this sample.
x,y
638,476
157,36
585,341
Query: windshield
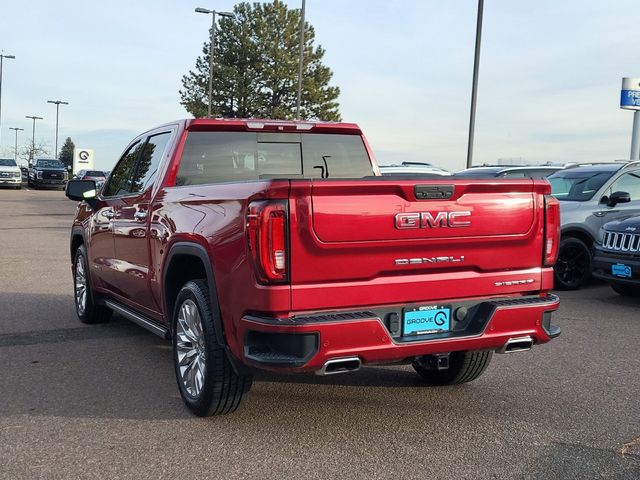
x,y
7,163
94,173
49,164
577,186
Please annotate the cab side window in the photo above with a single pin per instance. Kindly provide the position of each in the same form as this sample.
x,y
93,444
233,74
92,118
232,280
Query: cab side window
x,y
149,161
120,178
630,183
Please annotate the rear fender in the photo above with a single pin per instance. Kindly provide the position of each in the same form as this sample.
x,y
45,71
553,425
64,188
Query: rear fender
x,y
196,250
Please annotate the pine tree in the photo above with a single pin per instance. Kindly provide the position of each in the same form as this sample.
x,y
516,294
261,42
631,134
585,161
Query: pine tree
x,y
256,68
66,153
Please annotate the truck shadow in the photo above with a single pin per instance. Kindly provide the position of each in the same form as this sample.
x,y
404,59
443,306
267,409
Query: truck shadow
x,y
397,376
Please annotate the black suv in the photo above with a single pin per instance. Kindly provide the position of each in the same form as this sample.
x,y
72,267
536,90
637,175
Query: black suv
x,y
47,173
617,256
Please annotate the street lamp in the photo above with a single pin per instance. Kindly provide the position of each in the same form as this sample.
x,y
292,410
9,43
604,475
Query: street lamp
x,y
2,57
213,14
16,147
33,137
474,87
57,104
300,60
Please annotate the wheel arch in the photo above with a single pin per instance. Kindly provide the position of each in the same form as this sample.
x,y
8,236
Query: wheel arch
x,y
77,239
580,234
188,261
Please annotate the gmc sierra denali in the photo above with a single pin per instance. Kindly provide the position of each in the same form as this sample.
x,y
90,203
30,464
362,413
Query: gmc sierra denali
x,y
259,244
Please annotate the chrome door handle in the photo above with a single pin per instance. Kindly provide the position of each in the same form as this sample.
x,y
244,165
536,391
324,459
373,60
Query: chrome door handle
x,y
140,215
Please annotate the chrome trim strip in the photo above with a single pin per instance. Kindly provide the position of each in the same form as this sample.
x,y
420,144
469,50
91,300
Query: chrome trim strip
x,y
138,319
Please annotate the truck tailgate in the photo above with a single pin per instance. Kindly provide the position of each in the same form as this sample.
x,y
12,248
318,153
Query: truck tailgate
x,y
396,242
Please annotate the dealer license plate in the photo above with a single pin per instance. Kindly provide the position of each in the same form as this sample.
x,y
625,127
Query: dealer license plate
x,y
621,270
426,319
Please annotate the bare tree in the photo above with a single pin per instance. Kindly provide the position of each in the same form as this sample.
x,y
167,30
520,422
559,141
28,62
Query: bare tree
x,y
30,152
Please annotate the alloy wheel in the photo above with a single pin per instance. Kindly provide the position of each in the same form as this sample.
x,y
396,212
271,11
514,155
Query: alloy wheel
x,y
190,348
81,286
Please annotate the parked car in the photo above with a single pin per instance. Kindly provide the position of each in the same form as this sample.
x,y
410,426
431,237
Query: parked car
x,y
501,171
273,245
10,175
411,169
590,195
617,256
45,172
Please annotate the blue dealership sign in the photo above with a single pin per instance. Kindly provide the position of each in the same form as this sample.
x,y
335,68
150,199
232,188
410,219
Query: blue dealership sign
x,y
630,93
629,98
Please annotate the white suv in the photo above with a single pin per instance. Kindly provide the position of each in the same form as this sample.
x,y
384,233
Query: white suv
x,y
10,174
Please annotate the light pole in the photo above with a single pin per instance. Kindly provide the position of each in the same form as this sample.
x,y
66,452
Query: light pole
x,y
33,136
16,147
474,88
57,104
211,48
2,57
300,61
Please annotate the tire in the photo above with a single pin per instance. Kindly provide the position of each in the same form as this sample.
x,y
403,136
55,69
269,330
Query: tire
x,y
463,367
207,381
573,268
86,308
626,290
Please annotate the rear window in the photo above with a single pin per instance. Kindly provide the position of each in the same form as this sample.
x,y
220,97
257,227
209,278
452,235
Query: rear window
x,y
214,157
94,173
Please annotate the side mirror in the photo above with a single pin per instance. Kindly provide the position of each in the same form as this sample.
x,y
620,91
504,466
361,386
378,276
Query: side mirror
x,y
81,190
618,197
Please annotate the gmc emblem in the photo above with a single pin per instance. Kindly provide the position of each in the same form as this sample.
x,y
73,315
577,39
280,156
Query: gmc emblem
x,y
406,221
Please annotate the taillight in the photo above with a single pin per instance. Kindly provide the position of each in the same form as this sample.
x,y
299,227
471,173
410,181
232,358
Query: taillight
x,y
551,230
268,240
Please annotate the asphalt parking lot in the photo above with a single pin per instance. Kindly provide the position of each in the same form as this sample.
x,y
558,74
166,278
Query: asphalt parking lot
x,y
79,401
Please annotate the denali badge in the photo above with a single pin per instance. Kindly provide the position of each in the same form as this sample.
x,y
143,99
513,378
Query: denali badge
x,y
514,282
405,221
422,260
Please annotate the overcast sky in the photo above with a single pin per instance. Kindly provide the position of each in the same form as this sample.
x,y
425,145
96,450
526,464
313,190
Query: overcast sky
x,y
549,78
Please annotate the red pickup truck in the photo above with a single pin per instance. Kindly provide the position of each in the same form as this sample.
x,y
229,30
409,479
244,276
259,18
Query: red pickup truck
x,y
277,245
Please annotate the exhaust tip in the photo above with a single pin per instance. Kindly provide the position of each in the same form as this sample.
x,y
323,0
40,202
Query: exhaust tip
x,y
340,365
518,344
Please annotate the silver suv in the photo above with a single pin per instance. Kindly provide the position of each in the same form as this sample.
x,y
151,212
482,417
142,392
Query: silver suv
x,y
590,195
